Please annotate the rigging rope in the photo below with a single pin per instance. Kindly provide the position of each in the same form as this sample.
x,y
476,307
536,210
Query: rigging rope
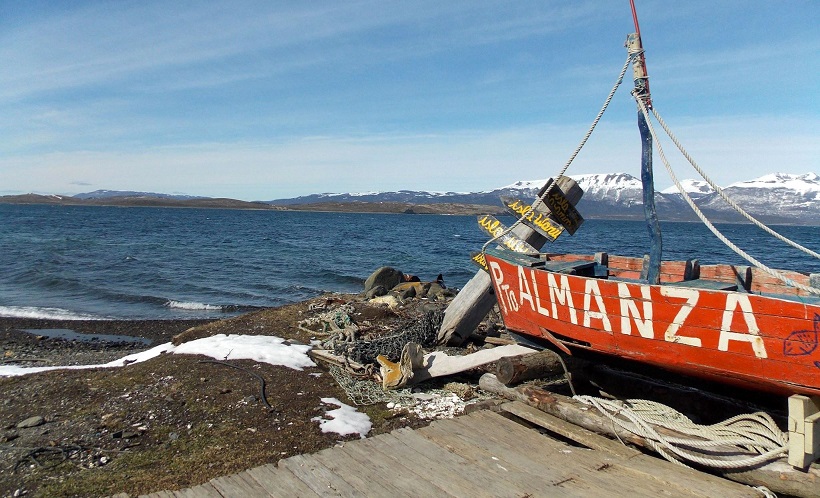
x,y
709,225
538,200
725,445
723,195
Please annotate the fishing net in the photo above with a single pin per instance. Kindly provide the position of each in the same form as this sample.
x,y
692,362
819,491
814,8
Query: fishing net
x,y
364,392
330,321
422,331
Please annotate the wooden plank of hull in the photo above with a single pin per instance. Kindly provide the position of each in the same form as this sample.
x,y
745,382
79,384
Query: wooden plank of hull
x,y
757,341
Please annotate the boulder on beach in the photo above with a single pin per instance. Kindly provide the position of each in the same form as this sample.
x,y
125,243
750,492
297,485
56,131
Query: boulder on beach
x,y
385,277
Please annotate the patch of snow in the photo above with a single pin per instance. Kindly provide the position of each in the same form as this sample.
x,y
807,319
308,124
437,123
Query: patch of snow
x,y
265,349
344,420
803,184
527,184
691,187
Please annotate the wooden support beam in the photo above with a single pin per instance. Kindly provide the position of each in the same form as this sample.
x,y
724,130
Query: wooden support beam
x,y
804,430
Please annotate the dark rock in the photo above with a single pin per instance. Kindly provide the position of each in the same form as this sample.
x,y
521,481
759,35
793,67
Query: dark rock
x,y
125,434
404,291
435,290
31,422
385,276
376,292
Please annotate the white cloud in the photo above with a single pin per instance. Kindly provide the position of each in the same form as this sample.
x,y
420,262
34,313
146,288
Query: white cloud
x,y
731,149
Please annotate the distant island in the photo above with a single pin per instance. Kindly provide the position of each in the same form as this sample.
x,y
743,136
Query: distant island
x,y
160,200
777,198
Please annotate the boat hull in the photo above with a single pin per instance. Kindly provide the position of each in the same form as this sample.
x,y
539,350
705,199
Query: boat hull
x,y
750,340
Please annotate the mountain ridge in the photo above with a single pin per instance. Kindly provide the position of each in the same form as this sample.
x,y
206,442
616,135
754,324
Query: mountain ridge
x,y
783,198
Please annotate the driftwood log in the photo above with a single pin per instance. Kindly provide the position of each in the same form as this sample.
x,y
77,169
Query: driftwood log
x,y
475,300
515,369
778,476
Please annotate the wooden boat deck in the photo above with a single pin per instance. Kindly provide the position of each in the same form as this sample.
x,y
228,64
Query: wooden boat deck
x,y
480,454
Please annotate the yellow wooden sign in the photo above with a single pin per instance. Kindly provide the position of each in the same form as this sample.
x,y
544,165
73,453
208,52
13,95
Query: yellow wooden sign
x,y
495,228
537,219
562,210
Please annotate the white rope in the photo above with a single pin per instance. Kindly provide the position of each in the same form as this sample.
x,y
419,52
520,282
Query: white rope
x,y
709,225
725,445
539,201
723,195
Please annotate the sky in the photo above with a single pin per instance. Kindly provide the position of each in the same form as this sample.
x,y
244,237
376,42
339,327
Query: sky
x,y
262,100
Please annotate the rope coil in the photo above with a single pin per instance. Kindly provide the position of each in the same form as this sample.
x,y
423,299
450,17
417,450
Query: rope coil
x,y
740,442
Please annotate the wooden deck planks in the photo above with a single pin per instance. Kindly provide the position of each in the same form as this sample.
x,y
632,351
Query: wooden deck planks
x,y
481,454
319,478
280,483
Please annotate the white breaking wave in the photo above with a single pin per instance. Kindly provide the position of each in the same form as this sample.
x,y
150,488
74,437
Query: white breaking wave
x,y
44,313
181,305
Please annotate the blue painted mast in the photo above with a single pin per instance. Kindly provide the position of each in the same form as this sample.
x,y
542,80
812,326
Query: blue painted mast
x,y
641,91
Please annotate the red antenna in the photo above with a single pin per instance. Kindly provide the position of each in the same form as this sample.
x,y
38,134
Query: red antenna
x,y
635,17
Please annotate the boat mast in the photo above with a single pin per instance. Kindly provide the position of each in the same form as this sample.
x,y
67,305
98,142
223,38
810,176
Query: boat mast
x,y
641,91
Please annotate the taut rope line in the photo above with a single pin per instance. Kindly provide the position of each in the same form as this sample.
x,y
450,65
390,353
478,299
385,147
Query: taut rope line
x,y
709,225
538,200
723,195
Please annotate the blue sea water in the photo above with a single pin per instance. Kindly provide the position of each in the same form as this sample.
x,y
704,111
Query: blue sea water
x,y
161,263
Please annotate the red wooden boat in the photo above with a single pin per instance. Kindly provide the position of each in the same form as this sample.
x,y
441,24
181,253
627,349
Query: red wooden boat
x,y
730,324
749,326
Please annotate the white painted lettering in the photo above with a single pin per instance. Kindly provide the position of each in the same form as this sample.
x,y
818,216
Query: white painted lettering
x,y
630,309
753,337
591,289
524,295
691,296
561,295
498,277
541,309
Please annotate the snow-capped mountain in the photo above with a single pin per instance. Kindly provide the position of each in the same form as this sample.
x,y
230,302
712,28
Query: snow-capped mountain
x,y
774,198
107,194
780,194
695,188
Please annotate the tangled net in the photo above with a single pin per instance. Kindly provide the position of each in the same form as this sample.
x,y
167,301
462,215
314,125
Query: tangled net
x,y
423,331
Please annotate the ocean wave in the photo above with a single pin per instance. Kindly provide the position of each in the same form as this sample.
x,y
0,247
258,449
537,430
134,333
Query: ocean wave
x,y
193,306
44,313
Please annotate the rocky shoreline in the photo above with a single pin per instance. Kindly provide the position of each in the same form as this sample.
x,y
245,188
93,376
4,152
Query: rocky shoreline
x,y
23,345
173,421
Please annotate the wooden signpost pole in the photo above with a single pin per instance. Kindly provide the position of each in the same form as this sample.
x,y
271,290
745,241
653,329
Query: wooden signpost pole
x,y
475,300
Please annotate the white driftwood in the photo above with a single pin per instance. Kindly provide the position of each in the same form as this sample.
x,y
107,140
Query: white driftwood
x,y
474,300
439,364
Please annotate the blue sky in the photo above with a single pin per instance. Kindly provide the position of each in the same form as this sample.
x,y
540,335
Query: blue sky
x,y
259,100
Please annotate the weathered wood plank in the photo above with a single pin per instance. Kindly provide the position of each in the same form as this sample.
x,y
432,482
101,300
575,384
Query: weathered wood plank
x,y
487,461
645,467
237,485
396,481
397,455
448,470
201,491
568,430
359,475
317,477
553,468
384,467
280,482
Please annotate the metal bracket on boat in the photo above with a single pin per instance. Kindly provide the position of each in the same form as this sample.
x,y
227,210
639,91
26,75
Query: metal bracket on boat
x,y
804,430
